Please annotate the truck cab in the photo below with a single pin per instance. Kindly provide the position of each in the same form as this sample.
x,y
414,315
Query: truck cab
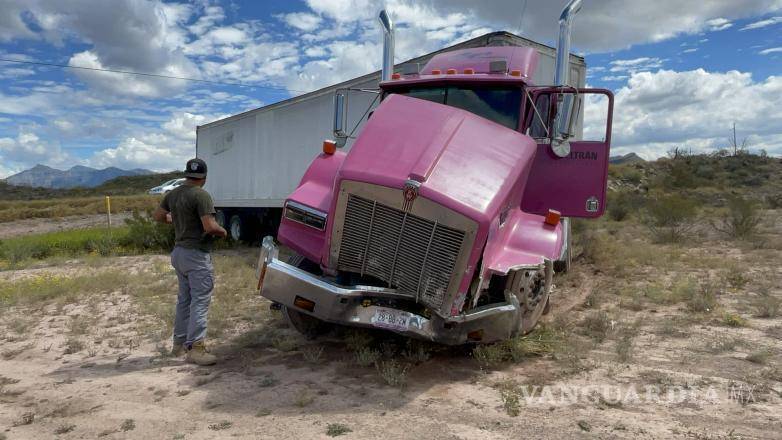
x,y
446,219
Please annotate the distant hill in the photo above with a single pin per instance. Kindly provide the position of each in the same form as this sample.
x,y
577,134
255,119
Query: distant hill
x,y
627,158
42,176
123,185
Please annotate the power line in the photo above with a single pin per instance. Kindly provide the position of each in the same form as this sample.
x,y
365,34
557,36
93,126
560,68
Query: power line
x,y
154,75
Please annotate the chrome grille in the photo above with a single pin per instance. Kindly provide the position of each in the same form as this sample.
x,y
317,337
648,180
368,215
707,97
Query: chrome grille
x,y
412,254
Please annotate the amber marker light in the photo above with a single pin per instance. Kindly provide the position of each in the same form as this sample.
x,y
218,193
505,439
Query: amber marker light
x,y
552,217
304,304
436,72
515,73
469,71
450,72
329,146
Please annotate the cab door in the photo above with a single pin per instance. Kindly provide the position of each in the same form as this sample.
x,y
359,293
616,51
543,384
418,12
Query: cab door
x,y
569,173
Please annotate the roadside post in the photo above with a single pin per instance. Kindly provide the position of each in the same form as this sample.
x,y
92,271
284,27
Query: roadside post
x,y
108,214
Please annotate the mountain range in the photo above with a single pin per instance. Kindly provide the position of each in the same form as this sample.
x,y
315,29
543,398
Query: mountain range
x,y
77,176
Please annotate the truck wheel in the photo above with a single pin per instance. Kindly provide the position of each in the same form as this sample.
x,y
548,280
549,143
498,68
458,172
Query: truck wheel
x,y
235,228
533,298
309,326
220,218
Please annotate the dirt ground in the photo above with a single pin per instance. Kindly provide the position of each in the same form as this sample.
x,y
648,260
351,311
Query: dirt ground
x,y
42,225
682,374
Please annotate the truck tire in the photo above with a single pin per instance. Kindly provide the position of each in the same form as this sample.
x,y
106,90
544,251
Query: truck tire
x,y
220,218
533,299
236,228
309,326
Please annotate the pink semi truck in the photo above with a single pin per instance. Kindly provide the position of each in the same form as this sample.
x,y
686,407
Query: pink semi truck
x,y
450,214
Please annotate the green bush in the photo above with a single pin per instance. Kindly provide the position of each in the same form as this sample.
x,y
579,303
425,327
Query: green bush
x,y
145,233
621,204
670,217
66,243
740,220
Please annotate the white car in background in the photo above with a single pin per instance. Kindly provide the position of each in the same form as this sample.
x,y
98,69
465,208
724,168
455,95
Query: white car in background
x,y
163,188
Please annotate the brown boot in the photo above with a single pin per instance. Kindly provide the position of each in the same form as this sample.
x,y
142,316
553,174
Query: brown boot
x,y
199,355
178,350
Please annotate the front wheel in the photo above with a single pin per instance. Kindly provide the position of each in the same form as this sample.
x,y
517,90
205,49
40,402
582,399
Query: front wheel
x,y
309,326
533,296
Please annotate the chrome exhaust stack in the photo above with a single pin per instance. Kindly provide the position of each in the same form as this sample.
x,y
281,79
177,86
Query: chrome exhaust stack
x,y
562,71
388,45
562,126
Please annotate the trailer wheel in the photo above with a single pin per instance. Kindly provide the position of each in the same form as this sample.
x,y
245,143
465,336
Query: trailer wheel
x,y
220,218
309,326
235,228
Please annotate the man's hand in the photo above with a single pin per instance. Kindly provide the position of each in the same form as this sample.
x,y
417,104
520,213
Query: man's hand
x,y
161,215
211,227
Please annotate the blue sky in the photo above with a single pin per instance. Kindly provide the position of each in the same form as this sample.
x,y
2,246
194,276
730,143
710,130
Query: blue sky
x,y
683,72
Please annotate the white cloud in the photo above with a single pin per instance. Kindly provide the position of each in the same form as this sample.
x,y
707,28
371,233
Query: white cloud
x,y
636,64
656,111
28,149
600,26
718,24
302,21
123,84
158,150
770,50
690,50
615,77
762,23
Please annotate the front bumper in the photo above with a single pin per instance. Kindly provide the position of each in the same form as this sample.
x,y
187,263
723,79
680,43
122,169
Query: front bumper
x,y
353,305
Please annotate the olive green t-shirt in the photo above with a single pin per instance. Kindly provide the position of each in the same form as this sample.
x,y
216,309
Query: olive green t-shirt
x,y
187,204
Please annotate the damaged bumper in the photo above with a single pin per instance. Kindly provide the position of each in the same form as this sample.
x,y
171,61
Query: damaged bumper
x,y
368,306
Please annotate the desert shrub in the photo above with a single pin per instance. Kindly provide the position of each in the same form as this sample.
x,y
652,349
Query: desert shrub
x,y
621,204
670,217
541,341
703,298
145,233
774,201
596,325
740,220
767,306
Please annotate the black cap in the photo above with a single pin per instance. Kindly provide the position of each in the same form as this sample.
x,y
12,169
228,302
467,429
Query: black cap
x,y
195,168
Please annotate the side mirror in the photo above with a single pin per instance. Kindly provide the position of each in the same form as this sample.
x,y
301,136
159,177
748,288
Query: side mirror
x,y
340,117
563,126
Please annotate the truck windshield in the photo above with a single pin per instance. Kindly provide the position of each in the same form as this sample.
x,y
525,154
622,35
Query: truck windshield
x,y
498,104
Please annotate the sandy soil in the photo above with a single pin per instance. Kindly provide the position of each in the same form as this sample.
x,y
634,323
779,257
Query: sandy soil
x,y
42,225
121,387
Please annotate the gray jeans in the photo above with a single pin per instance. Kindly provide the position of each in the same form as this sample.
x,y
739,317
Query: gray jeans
x,y
196,280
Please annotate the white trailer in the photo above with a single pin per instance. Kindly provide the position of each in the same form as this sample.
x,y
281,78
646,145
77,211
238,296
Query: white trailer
x,y
257,158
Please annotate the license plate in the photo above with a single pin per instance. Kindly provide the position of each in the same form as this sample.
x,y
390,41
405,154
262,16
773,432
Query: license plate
x,y
391,319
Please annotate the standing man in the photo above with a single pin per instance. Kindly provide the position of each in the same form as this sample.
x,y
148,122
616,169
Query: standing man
x,y
189,207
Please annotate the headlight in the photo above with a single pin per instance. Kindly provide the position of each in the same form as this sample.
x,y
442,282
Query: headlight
x,y
305,215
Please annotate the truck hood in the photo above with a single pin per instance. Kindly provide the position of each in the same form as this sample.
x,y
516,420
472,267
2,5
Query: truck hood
x,y
463,161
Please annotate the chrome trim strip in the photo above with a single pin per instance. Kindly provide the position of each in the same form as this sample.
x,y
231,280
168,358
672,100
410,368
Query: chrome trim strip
x,y
307,210
369,237
426,257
